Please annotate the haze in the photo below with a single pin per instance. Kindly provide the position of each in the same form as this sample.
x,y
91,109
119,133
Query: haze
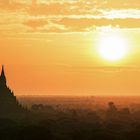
x,y
49,47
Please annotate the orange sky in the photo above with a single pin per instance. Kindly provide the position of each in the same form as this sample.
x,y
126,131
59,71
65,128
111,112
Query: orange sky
x,y
50,46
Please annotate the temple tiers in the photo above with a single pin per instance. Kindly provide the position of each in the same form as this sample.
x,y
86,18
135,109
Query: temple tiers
x,y
9,106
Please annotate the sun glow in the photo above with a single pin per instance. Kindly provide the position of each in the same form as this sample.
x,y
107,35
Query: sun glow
x,y
113,47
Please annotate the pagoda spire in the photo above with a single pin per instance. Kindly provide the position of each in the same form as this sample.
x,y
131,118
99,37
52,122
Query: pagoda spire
x,y
2,77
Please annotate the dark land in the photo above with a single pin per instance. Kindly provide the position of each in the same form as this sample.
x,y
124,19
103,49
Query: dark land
x,y
79,118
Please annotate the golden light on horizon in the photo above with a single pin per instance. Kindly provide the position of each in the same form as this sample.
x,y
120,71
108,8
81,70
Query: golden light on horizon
x,y
71,46
113,47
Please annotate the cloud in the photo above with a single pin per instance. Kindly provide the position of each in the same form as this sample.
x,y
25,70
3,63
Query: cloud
x,y
67,15
52,27
36,23
107,69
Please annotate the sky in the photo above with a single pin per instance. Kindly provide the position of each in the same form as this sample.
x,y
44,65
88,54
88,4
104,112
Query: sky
x,y
51,47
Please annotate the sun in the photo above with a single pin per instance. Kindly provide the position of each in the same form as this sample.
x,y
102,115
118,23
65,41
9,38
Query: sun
x,y
112,47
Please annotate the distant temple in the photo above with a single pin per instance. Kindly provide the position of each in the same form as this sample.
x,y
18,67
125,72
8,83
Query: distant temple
x,y
9,106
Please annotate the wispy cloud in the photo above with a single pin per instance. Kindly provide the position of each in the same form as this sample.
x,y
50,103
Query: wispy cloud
x,y
67,15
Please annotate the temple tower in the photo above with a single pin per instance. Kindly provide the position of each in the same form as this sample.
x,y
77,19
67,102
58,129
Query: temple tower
x,y
2,78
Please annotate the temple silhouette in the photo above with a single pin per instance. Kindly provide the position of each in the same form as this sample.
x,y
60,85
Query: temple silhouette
x,y
9,105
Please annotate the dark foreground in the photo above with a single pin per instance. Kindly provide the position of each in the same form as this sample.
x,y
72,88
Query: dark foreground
x,y
44,122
